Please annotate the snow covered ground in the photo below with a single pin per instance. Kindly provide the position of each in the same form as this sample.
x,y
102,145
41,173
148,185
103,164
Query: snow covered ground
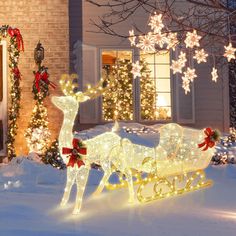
x,y
29,206
30,194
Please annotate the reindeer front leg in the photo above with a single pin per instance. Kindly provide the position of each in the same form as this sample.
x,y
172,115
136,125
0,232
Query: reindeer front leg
x,y
69,183
81,180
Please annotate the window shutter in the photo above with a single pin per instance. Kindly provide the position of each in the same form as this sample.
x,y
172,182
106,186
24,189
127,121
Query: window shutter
x,y
89,110
185,108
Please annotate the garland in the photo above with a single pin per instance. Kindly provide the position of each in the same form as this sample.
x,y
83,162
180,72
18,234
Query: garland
x,y
15,46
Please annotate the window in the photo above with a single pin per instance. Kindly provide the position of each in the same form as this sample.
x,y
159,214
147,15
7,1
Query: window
x,y
159,66
120,101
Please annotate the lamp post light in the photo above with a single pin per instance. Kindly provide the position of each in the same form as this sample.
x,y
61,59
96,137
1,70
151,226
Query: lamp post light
x,y
39,54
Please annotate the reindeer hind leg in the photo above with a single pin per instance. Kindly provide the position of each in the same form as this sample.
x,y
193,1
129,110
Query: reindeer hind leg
x,y
107,173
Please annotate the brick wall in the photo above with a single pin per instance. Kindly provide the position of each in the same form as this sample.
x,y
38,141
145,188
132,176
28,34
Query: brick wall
x,y
48,22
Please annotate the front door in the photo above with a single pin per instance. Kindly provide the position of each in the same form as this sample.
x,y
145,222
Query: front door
x,y
3,100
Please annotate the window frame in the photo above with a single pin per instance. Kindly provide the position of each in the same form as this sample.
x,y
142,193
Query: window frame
x,y
136,89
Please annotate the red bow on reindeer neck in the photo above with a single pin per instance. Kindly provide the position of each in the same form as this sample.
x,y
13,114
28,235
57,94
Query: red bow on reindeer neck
x,y
16,33
44,77
210,139
75,157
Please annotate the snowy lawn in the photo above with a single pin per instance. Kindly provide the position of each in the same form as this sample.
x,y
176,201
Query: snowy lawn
x,y
29,207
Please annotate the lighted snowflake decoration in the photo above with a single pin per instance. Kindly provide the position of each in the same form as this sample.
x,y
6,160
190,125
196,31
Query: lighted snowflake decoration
x,y
146,42
190,74
159,39
136,69
177,66
214,74
182,58
186,85
200,56
192,39
156,23
172,41
230,52
132,37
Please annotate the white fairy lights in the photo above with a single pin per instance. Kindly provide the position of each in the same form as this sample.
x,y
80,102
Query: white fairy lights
x,y
189,76
132,38
146,43
192,39
136,69
156,23
176,66
214,74
160,37
230,52
200,56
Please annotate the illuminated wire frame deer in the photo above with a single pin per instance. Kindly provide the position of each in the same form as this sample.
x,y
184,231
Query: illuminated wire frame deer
x,y
97,148
173,167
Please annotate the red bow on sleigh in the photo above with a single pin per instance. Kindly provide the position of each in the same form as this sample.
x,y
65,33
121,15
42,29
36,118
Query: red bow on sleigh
x,y
75,157
44,77
16,33
16,72
211,137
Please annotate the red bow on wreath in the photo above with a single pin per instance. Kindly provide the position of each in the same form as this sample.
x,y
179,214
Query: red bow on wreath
x,y
212,136
16,72
75,153
44,77
16,33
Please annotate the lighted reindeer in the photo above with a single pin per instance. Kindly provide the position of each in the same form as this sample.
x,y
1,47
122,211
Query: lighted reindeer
x,y
97,148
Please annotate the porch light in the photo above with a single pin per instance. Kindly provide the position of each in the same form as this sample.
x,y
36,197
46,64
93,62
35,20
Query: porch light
x,y
39,53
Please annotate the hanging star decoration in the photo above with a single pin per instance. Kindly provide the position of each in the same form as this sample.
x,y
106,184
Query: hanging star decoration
x,y
159,39
146,43
230,52
182,58
156,23
188,77
132,37
200,56
176,66
136,69
192,39
186,85
190,74
214,74
172,41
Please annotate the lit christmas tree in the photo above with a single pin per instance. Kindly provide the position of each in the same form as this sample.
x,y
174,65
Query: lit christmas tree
x,y
52,156
37,134
118,99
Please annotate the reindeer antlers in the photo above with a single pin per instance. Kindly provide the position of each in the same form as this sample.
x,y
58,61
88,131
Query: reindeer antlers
x,y
68,87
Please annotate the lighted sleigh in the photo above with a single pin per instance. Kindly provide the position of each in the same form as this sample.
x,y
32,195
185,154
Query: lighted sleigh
x,y
173,167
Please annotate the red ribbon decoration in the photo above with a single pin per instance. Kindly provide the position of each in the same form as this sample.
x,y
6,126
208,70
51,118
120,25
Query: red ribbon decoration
x,y
208,141
44,77
74,153
16,33
16,72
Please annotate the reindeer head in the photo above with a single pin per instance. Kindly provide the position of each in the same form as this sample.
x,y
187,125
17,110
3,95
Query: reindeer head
x,y
74,98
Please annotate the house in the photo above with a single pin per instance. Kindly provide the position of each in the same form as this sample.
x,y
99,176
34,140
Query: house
x,y
64,29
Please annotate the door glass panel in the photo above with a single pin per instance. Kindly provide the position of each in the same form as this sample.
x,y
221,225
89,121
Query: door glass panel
x,y
155,89
117,101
